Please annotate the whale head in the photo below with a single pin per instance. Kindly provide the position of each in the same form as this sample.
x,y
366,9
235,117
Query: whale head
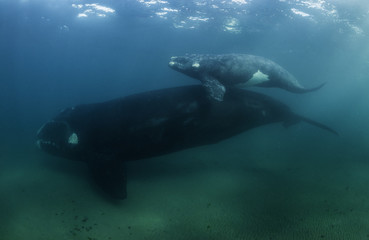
x,y
58,138
188,64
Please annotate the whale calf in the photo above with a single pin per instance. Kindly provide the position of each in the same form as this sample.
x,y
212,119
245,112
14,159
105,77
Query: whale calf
x,y
220,72
106,135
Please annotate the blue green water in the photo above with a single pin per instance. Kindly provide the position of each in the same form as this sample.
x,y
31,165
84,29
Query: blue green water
x,y
268,183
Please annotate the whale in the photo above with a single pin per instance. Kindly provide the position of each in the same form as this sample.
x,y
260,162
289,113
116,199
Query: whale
x,y
106,135
217,73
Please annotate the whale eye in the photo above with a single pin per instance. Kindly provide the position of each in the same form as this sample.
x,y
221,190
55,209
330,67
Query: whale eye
x,y
196,65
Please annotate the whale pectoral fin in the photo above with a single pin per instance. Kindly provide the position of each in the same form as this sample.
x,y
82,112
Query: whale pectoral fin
x,y
319,125
294,118
110,175
214,88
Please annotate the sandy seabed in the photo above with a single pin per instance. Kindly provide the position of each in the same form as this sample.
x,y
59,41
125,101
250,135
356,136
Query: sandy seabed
x,y
267,183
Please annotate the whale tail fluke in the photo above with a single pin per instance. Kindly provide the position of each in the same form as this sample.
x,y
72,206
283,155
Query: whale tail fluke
x,y
305,90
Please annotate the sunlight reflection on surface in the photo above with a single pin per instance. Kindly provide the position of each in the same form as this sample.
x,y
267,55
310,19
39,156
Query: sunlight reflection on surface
x,y
93,9
230,14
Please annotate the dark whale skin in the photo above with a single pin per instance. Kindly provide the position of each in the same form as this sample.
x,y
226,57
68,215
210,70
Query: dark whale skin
x,y
152,124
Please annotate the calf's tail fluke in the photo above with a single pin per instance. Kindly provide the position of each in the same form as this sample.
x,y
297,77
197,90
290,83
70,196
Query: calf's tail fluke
x,y
298,89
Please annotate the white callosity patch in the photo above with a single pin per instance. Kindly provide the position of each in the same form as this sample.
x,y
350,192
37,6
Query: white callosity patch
x,y
257,78
172,61
73,139
196,65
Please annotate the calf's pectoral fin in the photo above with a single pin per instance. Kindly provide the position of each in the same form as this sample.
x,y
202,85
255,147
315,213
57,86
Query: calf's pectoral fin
x,y
214,88
110,175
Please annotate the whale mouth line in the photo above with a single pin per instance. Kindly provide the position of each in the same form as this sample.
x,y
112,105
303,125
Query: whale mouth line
x,y
56,135
176,66
72,141
42,143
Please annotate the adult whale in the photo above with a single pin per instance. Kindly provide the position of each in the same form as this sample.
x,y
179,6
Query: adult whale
x,y
105,135
219,72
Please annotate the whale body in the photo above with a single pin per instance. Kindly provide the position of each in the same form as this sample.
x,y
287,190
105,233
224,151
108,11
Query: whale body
x,y
218,73
106,135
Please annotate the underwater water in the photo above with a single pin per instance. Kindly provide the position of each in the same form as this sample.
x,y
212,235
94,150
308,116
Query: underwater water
x,y
266,183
